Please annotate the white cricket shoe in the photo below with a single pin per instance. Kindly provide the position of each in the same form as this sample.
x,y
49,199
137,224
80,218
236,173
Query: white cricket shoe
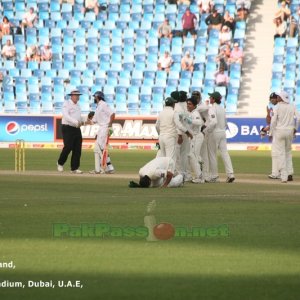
x,y
76,171
110,169
59,168
198,180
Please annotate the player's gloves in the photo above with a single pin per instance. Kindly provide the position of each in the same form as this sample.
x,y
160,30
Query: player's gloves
x,y
263,132
110,131
91,115
133,184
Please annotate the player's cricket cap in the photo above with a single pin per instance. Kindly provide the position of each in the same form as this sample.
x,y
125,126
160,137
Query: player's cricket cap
x,y
284,96
99,95
273,95
75,92
182,96
170,101
216,95
175,96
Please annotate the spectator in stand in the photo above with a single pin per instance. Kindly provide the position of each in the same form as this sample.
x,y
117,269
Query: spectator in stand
x,y
229,21
242,13
205,6
33,54
280,28
236,55
46,52
184,2
295,23
225,35
221,79
187,63
245,3
67,1
30,18
91,5
5,27
165,30
189,22
165,62
223,57
9,50
214,20
283,12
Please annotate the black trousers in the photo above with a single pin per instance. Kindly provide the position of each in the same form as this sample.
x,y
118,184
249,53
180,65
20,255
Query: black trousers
x,y
72,142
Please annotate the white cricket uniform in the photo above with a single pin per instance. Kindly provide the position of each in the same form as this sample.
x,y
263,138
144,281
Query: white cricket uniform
x,y
283,123
196,142
102,118
166,125
157,169
216,140
202,108
182,150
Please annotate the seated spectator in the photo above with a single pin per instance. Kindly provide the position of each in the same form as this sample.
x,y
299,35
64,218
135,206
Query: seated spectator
x,y
295,23
184,2
225,35
9,50
223,57
205,6
66,1
189,22
5,27
30,18
33,54
214,20
165,30
283,12
46,52
221,79
91,5
229,21
280,28
236,55
245,3
187,63
165,62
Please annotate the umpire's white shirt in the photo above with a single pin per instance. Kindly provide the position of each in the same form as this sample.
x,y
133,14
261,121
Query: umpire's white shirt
x,y
71,114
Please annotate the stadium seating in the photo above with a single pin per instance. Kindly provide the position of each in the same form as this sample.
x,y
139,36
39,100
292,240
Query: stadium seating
x,y
117,52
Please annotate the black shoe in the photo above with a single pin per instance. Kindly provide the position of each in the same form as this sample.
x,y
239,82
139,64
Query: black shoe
x,y
290,178
230,179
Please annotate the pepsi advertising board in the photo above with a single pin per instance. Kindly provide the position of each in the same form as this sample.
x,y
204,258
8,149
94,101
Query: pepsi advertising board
x,y
30,129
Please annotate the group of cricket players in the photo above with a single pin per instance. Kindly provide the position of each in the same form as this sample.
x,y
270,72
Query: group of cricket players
x,y
190,134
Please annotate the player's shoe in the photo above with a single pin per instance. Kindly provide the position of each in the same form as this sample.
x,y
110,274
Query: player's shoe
x,y
213,180
290,178
59,168
230,179
198,180
271,176
77,171
95,172
187,177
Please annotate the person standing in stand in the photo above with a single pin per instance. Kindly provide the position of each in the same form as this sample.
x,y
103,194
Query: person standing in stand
x,y
72,138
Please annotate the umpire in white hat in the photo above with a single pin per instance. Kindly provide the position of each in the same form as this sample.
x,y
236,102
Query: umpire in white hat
x,y
71,122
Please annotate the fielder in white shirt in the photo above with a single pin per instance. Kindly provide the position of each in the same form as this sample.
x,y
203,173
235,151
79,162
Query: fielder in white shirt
x,y
167,125
216,140
159,172
284,125
196,123
104,117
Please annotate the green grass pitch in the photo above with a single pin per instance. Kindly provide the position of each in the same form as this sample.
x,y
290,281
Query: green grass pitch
x,y
259,259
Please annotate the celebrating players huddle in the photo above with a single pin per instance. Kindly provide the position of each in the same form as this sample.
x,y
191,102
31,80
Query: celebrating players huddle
x,y
190,135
